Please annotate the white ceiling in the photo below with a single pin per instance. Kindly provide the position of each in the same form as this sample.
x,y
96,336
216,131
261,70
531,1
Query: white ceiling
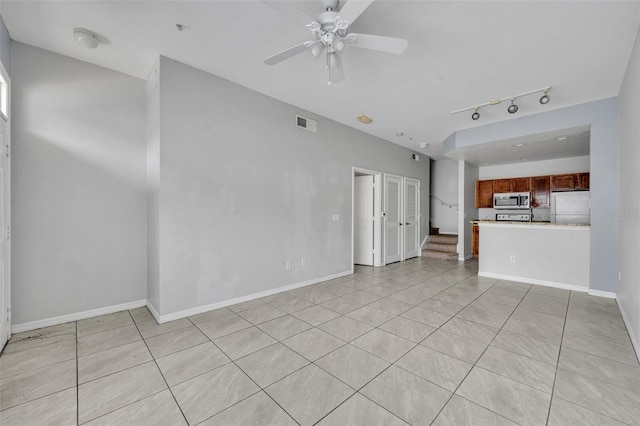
x,y
460,54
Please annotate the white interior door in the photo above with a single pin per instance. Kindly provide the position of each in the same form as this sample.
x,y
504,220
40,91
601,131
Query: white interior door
x,y
411,218
363,220
5,211
393,218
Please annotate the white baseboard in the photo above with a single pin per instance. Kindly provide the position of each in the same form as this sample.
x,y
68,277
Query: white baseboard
x,y
33,325
600,293
634,340
200,309
525,280
423,243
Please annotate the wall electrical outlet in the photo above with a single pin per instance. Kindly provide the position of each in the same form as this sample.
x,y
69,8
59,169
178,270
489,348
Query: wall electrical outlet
x,y
287,265
336,217
303,261
512,258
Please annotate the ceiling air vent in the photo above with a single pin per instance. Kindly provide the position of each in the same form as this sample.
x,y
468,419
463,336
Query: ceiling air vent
x,y
306,124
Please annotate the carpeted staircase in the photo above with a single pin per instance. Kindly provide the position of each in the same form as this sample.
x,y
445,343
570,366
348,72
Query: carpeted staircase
x,y
441,246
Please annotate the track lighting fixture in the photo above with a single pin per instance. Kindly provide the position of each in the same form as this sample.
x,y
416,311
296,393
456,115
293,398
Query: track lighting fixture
x,y
513,108
544,99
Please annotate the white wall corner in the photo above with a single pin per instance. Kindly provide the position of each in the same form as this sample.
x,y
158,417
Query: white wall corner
x,y
634,340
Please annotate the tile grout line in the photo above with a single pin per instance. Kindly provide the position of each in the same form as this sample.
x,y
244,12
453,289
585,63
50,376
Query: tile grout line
x,y
478,359
555,376
261,389
159,370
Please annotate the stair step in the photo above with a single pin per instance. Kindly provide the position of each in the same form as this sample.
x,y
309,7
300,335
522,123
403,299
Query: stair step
x,y
445,248
439,255
443,239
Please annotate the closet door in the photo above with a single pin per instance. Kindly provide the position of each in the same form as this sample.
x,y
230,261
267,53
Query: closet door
x,y
411,218
393,222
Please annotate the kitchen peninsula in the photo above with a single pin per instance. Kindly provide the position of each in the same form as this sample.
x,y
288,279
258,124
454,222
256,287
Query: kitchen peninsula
x,y
549,254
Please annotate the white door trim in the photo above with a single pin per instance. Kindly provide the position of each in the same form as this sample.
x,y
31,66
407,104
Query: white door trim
x,y
378,258
5,225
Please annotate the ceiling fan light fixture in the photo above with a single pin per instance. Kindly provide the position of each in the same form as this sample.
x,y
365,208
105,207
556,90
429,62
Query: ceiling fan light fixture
x,y
85,38
316,48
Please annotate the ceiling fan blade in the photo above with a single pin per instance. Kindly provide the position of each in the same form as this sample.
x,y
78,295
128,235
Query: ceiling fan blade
x,y
353,8
289,10
336,72
375,42
286,54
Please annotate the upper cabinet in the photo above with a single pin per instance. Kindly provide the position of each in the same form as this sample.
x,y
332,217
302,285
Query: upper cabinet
x,y
484,194
521,184
539,186
563,182
502,185
582,181
540,191
570,182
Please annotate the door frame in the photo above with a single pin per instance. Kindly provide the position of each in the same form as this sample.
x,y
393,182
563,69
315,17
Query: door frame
x,y
5,288
378,259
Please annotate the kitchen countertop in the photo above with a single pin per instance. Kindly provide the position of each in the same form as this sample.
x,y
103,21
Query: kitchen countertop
x,y
476,222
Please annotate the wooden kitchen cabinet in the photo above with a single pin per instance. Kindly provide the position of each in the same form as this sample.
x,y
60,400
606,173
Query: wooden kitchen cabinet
x,y
563,182
540,191
521,184
582,181
502,185
475,240
484,194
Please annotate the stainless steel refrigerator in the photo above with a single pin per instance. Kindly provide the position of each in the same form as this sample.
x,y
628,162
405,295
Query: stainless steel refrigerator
x,y
570,207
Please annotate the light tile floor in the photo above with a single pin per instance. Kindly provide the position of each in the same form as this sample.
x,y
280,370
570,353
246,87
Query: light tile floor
x,y
420,342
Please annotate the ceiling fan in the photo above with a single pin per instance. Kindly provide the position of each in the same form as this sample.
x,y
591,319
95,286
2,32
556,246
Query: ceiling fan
x,y
330,31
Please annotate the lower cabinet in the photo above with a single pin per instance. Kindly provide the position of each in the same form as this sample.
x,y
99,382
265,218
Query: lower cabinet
x,y
475,240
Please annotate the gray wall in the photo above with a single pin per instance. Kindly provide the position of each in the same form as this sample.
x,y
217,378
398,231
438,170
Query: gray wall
x,y
242,189
629,245
444,185
467,177
79,203
5,46
602,116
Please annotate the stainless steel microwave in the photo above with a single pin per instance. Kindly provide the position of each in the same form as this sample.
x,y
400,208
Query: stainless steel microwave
x,y
512,200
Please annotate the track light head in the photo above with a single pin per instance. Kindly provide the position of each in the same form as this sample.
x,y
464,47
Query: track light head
x,y
513,108
544,99
475,115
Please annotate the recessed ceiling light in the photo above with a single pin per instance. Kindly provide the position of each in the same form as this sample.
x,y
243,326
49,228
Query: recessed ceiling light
x,y
518,145
364,119
85,38
399,134
561,138
524,159
423,145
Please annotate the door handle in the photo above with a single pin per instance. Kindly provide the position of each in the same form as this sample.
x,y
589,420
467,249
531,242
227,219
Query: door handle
x,y
400,223
407,223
